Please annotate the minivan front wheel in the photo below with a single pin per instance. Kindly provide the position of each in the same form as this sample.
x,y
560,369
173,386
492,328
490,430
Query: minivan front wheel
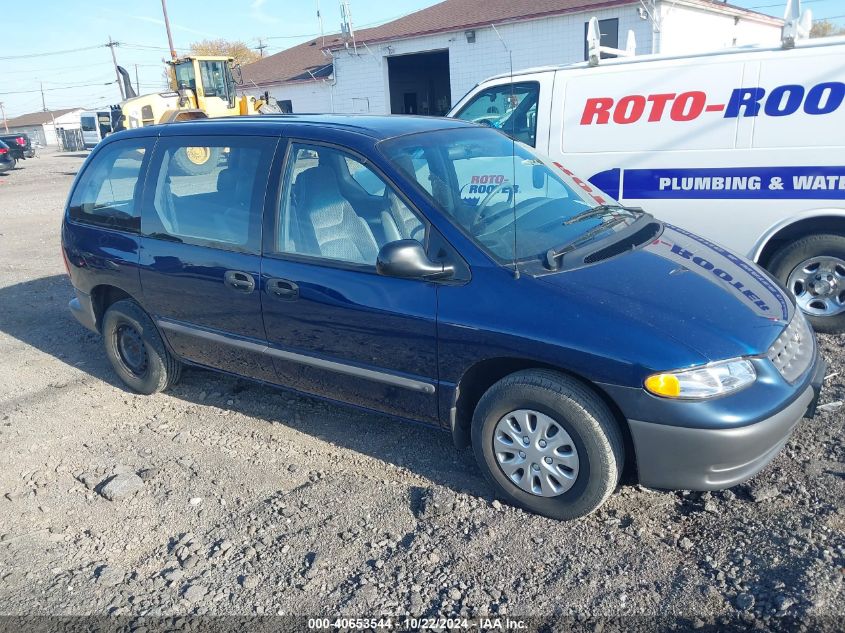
x,y
135,349
548,444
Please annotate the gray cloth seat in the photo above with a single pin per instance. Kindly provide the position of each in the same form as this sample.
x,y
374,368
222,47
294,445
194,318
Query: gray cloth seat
x,y
324,224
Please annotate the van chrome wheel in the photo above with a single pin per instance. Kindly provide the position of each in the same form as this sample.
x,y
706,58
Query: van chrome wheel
x,y
818,284
535,453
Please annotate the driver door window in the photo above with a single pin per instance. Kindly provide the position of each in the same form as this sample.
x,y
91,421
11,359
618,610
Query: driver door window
x,y
511,108
335,207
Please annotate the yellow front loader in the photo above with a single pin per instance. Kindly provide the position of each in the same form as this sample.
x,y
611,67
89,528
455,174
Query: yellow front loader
x,y
201,87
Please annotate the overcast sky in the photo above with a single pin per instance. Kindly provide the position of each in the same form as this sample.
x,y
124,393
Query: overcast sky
x,y
85,78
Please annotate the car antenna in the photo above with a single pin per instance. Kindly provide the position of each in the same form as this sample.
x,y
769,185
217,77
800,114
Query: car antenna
x,y
513,153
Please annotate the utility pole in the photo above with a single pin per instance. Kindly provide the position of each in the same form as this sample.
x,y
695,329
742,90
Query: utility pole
x,y
167,26
137,82
43,101
3,112
261,46
111,45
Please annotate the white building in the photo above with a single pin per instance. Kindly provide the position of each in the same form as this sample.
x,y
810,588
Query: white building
x,y
424,62
41,126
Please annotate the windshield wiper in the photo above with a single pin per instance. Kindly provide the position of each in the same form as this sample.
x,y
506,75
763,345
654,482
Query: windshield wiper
x,y
601,210
165,236
552,254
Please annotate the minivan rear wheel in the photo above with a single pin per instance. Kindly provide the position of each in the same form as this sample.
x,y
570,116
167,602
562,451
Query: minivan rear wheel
x,y
135,349
813,270
548,443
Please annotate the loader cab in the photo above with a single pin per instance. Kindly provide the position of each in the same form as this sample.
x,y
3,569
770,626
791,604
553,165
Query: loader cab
x,y
211,82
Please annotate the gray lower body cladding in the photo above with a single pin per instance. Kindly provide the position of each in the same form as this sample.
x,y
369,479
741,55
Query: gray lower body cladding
x,y
680,458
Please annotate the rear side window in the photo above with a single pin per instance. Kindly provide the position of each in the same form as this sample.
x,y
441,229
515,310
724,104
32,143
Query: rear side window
x,y
108,190
208,191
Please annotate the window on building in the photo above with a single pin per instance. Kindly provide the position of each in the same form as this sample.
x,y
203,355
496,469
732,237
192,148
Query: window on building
x,y
106,195
609,30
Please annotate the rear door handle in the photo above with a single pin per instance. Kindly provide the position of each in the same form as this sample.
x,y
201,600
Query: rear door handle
x,y
282,289
239,280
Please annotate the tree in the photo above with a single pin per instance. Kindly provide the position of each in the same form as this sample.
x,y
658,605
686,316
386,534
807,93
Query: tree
x,y
825,28
237,49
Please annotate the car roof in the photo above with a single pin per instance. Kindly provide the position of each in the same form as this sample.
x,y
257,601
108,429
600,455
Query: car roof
x,y
377,127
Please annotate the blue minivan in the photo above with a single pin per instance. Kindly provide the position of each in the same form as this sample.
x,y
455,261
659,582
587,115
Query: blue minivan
x,y
438,271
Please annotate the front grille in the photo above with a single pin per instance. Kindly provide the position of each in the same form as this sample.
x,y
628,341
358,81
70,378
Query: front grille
x,y
792,352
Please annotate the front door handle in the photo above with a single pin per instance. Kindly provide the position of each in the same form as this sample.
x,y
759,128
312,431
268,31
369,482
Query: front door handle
x,y
282,289
239,280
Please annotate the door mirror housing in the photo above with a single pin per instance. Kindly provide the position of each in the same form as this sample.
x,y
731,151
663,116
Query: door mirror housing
x,y
407,259
538,176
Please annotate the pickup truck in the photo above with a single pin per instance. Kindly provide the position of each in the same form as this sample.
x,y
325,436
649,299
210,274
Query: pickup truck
x,y
20,146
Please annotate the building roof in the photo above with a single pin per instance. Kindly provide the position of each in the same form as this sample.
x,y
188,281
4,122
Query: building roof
x,y
308,61
37,118
303,62
457,15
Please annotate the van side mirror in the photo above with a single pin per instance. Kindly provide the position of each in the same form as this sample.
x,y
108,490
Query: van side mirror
x,y
408,260
538,176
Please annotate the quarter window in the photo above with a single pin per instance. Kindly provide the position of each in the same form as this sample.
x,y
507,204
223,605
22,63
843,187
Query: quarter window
x,y
107,192
511,108
337,208
209,194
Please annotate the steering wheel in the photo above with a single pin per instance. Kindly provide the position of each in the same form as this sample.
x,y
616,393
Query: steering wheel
x,y
482,206
486,122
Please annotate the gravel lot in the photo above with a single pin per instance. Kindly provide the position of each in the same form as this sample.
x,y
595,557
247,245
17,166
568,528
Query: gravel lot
x,y
234,498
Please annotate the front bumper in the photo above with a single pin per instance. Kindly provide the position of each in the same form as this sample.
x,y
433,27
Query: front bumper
x,y
683,458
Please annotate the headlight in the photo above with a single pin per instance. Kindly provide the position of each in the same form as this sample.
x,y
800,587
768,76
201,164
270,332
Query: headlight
x,y
698,383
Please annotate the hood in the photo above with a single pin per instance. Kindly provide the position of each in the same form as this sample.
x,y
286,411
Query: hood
x,y
692,291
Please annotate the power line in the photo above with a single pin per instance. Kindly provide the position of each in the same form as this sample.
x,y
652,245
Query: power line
x,y
45,54
780,4
22,92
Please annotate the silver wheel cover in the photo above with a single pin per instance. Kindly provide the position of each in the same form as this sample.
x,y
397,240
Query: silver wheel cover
x,y
535,453
818,285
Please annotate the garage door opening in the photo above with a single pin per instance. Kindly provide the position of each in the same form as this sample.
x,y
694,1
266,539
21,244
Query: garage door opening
x,y
419,83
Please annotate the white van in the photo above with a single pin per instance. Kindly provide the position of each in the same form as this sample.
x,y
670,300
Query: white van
x,y
96,125
745,146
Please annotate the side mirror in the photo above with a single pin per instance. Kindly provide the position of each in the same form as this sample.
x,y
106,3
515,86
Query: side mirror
x,y
538,176
407,259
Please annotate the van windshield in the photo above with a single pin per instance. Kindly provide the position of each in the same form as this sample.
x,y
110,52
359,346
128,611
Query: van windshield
x,y
511,201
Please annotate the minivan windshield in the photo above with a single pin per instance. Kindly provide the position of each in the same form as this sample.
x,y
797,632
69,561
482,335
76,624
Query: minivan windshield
x,y
510,200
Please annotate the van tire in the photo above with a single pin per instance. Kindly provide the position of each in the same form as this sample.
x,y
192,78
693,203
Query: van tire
x,y
136,350
184,166
788,258
580,412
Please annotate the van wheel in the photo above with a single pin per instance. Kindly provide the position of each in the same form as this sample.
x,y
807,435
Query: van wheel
x,y
547,443
813,269
136,351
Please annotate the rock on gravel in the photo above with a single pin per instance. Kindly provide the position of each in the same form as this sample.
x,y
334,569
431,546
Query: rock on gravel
x,y
435,502
109,575
194,593
121,486
762,493
744,601
250,582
